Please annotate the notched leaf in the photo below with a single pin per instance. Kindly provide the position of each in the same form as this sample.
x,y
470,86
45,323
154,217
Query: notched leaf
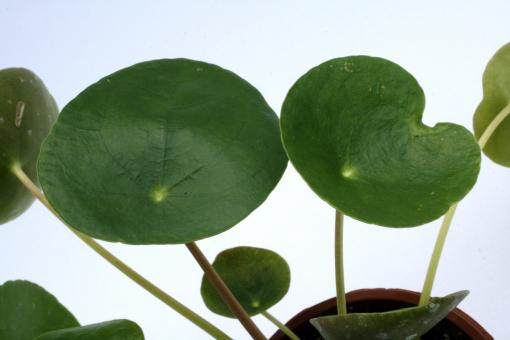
x,y
352,128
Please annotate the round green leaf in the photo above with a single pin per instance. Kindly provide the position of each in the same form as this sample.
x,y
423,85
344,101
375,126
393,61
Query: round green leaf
x,y
110,330
352,128
402,324
496,97
165,151
27,112
27,310
257,277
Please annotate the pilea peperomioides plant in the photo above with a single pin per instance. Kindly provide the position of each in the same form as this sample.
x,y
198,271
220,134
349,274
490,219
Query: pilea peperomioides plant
x,y
173,151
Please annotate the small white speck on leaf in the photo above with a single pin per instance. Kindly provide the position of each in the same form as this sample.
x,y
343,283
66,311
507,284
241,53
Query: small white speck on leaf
x,y
348,66
9,101
29,133
20,109
2,120
199,69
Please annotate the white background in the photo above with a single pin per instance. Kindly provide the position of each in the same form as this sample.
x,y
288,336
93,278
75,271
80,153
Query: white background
x,y
444,44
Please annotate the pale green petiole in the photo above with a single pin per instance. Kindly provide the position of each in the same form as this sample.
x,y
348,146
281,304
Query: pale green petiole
x,y
448,217
124,268
280,325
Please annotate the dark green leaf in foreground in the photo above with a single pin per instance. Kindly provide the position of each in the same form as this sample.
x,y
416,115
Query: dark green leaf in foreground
x,y
27,310
27,112
352,128
257,277
110,330
496,98
165,151
402,324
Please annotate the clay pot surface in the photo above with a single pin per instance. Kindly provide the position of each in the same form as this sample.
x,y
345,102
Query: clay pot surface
x,y
457,325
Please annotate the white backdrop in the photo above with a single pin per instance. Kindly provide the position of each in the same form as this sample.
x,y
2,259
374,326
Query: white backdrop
x,y
445,45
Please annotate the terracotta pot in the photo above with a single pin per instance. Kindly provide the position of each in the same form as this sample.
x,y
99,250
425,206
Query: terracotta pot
x,y
458,325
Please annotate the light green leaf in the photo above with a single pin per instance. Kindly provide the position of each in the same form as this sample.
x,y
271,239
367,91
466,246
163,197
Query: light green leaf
x,y
27,310
27,112
496,98
165,151
257,277
352,128
402,324
110,330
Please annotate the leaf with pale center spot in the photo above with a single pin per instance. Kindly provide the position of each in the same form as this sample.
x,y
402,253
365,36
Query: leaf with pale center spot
x,y
165,151
27,112
27,310
352,128
110,330
257,277
496,98
402,324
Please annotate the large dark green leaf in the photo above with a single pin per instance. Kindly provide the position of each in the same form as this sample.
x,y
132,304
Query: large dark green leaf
x,y
27,112
402,324
352,128
110,330
165,151
496,98
257,277
27,310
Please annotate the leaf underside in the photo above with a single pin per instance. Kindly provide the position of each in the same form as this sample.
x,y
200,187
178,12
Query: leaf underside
x,y
27,112
402,324
496,97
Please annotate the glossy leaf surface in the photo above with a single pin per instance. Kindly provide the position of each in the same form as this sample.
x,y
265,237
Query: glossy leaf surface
x,y
110,330
496,98
27,310
27,112
165,151
257,277
402,324
352,128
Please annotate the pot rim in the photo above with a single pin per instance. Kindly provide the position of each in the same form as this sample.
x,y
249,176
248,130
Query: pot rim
x,y
456,316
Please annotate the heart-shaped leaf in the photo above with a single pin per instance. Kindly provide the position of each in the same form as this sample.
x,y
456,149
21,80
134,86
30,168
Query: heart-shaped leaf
x,y
257,277
27,112
496,98
165,151
352,128
110,330
27,310
402,324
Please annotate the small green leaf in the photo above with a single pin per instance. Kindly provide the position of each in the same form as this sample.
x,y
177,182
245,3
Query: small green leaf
x,y
402,324
496,97
27,310
257,277
165,151
27,112
352,128
110,330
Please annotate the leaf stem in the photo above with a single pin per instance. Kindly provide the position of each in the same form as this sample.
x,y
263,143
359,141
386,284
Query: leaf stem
x,y
280,325
436,255
489,130
124,268
445,226
225,292
339,263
